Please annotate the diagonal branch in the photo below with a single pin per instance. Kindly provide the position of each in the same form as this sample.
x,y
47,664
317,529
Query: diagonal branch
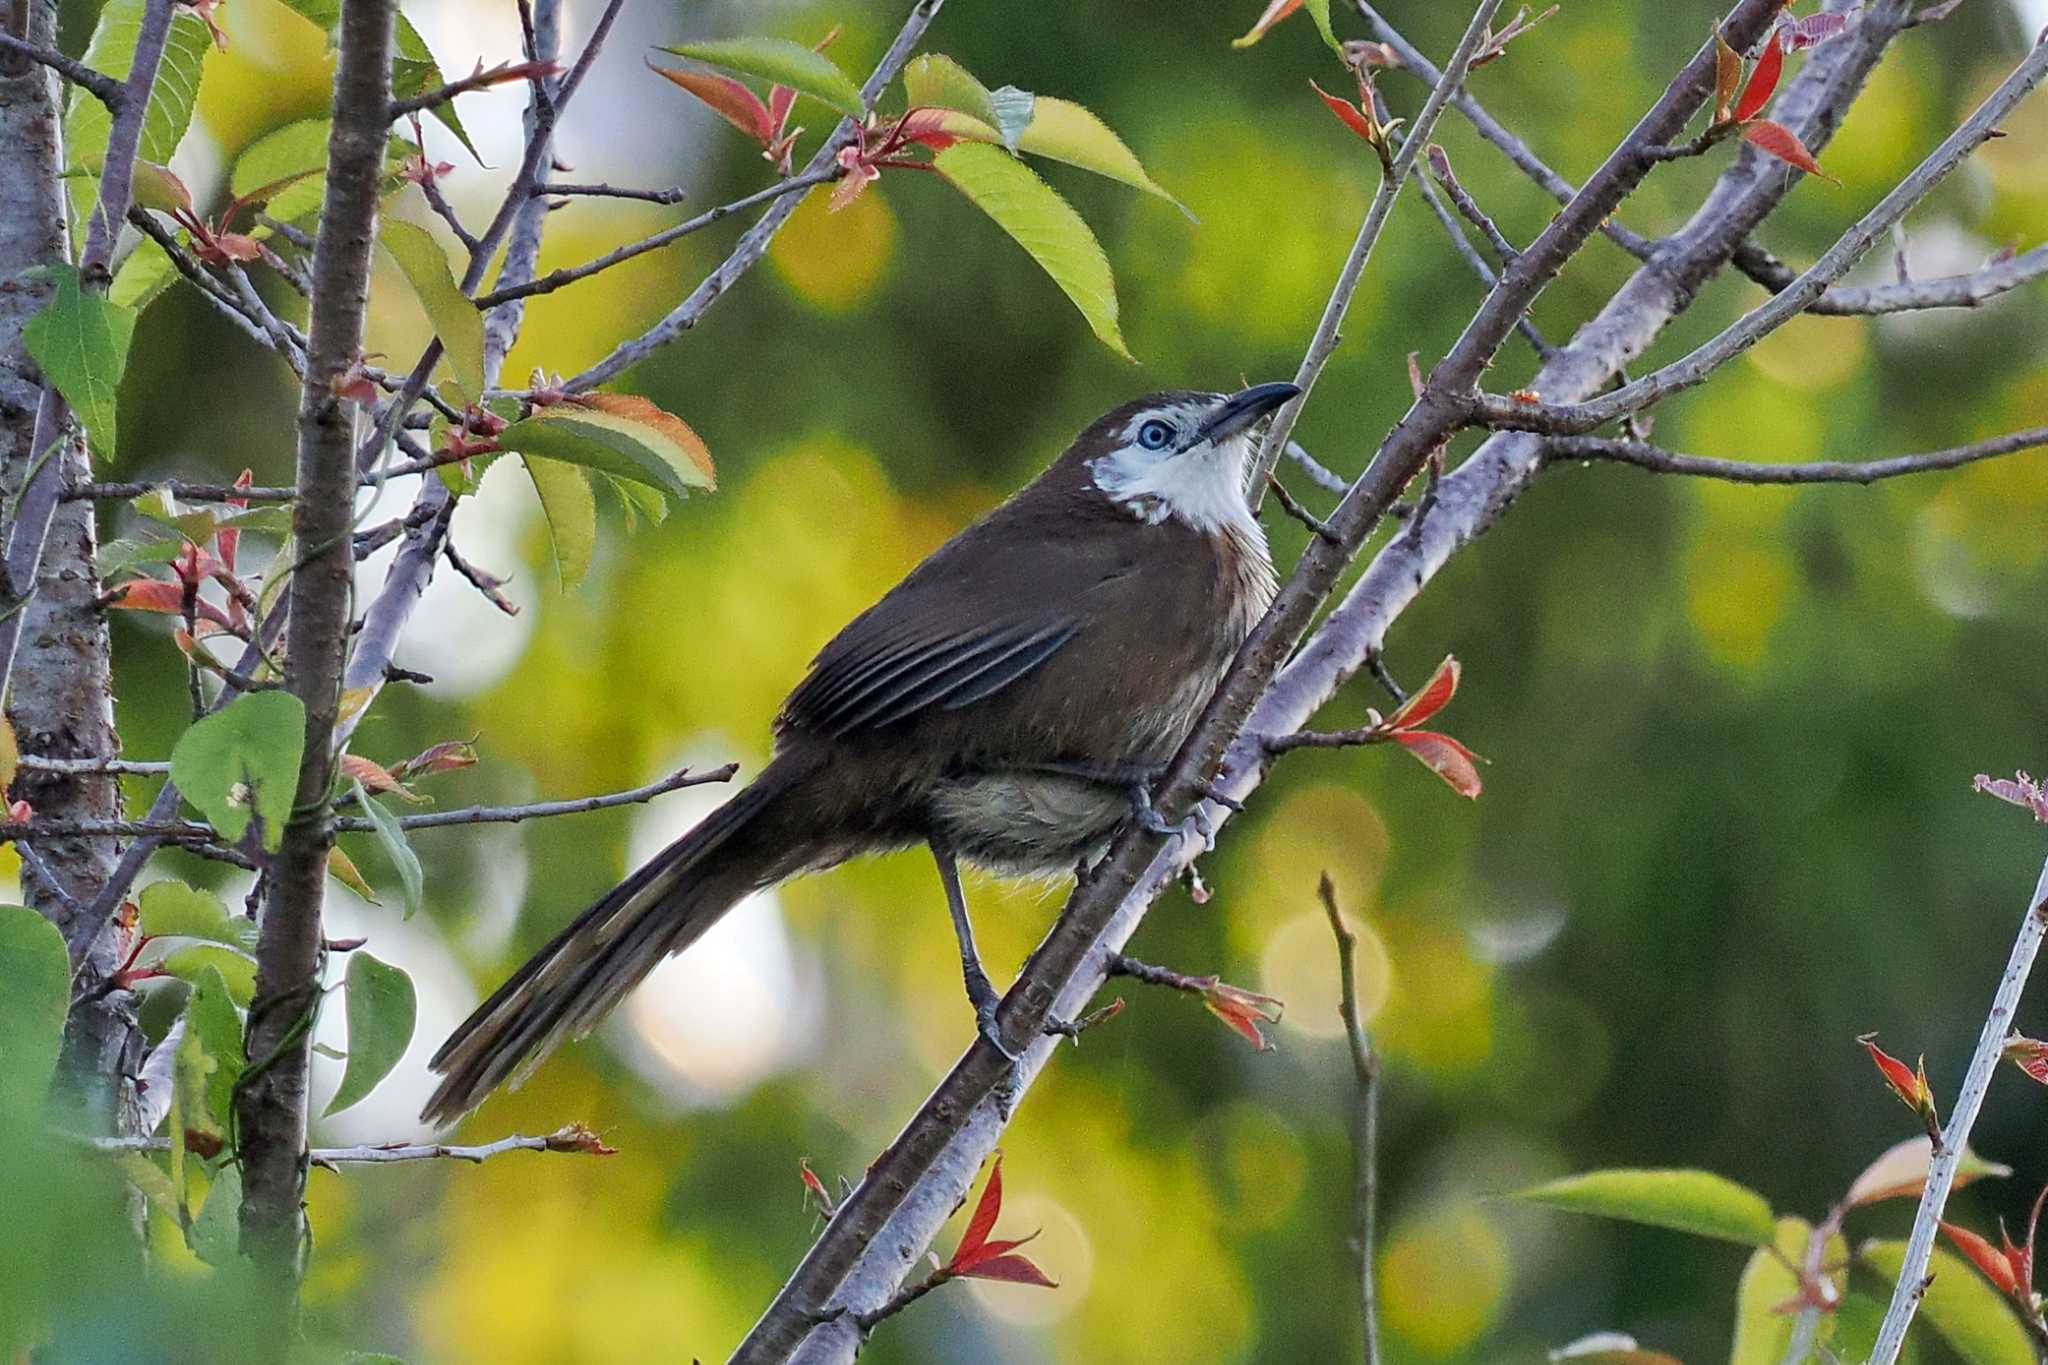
x,y
102,87
1323,344
1970,290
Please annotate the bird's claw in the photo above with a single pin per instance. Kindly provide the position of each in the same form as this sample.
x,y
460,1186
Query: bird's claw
x,y
981,993
1197,823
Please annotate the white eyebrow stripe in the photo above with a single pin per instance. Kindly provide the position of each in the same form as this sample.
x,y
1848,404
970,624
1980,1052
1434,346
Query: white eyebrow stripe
x,y
1183,416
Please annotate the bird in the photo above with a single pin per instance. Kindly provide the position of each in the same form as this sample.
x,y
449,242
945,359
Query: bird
x,y
1008,703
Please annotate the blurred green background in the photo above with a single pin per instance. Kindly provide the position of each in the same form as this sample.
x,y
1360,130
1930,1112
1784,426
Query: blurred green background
x,y
1727,824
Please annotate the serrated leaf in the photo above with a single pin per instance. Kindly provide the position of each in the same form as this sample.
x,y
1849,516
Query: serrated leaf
x,y
726,97
1044,224
242,762
1698,1202
279,155
802,69
381,1010
118,556
195,523
936,81
1784,144
414,71
234,967
171,909
171,99
456,320
620,434
80,341
1065,131
571,509
37,970
1961,1305
411,877
143,273
155,187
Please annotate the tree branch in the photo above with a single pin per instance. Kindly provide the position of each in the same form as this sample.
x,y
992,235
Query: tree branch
x,y
573,1137
1658,461
1365,1108
98,84
879,1230
1970,290
1323,344
270,1107
1941,1171
1693,369
542,810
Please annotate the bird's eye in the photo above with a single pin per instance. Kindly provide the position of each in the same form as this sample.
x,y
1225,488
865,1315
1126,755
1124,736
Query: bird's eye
x,y
1155,434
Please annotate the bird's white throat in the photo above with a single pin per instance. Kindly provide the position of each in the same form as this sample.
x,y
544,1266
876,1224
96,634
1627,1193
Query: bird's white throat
x,y
1202,486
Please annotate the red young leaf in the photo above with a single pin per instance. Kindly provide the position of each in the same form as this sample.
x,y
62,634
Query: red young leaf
x,y
1430,698
1782,143
20,812
1275,12
1763,82
1998,1265
374,776
1353,117
2029,1055
1242,1010
444,757
814,1186
984,1220
1909,1085
150,594
728,98
1447,758
927,127
1727,78
1013,1269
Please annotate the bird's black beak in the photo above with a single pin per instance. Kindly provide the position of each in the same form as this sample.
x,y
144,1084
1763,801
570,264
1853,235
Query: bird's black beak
x,y
1240,410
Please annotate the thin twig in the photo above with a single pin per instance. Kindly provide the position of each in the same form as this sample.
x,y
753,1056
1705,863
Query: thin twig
x,y
542,810
1969,290
555,279
1941,1171
572,1137
1659,461
430,189
180,489
98,84
1470,255
1365,1075
668,196
753,243
1440,164
1323,344
1293,508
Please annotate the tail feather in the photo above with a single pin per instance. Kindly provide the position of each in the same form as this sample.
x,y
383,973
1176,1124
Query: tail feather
x,y
567,987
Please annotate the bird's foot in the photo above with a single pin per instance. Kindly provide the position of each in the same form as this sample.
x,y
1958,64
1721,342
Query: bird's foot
x,y
981,993
1196,825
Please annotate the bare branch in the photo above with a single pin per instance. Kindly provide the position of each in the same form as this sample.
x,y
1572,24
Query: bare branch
x,y
98,84
270,1105
1971,290
1955,1139
753,243
668,196
1365,1075
555,279
430,189
1440,165
542,810
1658,461
1470,255
573,1137
1323,344
179,488
1759,323
480,79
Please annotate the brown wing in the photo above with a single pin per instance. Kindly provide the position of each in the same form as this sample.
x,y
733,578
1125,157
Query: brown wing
x,y
986,609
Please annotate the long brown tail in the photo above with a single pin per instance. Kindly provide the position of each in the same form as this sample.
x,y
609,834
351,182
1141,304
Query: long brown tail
x,y
572,983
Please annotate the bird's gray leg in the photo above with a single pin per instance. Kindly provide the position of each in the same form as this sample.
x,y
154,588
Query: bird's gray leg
x,y
1136,780
981,992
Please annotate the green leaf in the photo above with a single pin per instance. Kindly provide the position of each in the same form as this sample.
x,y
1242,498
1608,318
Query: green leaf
x,y
343,869
414,71
397,848
143,273
171,99
80,341
381,1007
37,972
802,69
236,969
196,523
243,761
620,434
280,154
1044,225
456,320
1319,10
216,1235
149,1179
1975,1319
1698,1202
174,910
1065,131
1762,1332
937,81
215,1025
571,510
118,556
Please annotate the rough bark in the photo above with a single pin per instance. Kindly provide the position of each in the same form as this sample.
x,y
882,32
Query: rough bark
x,y
271,1108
